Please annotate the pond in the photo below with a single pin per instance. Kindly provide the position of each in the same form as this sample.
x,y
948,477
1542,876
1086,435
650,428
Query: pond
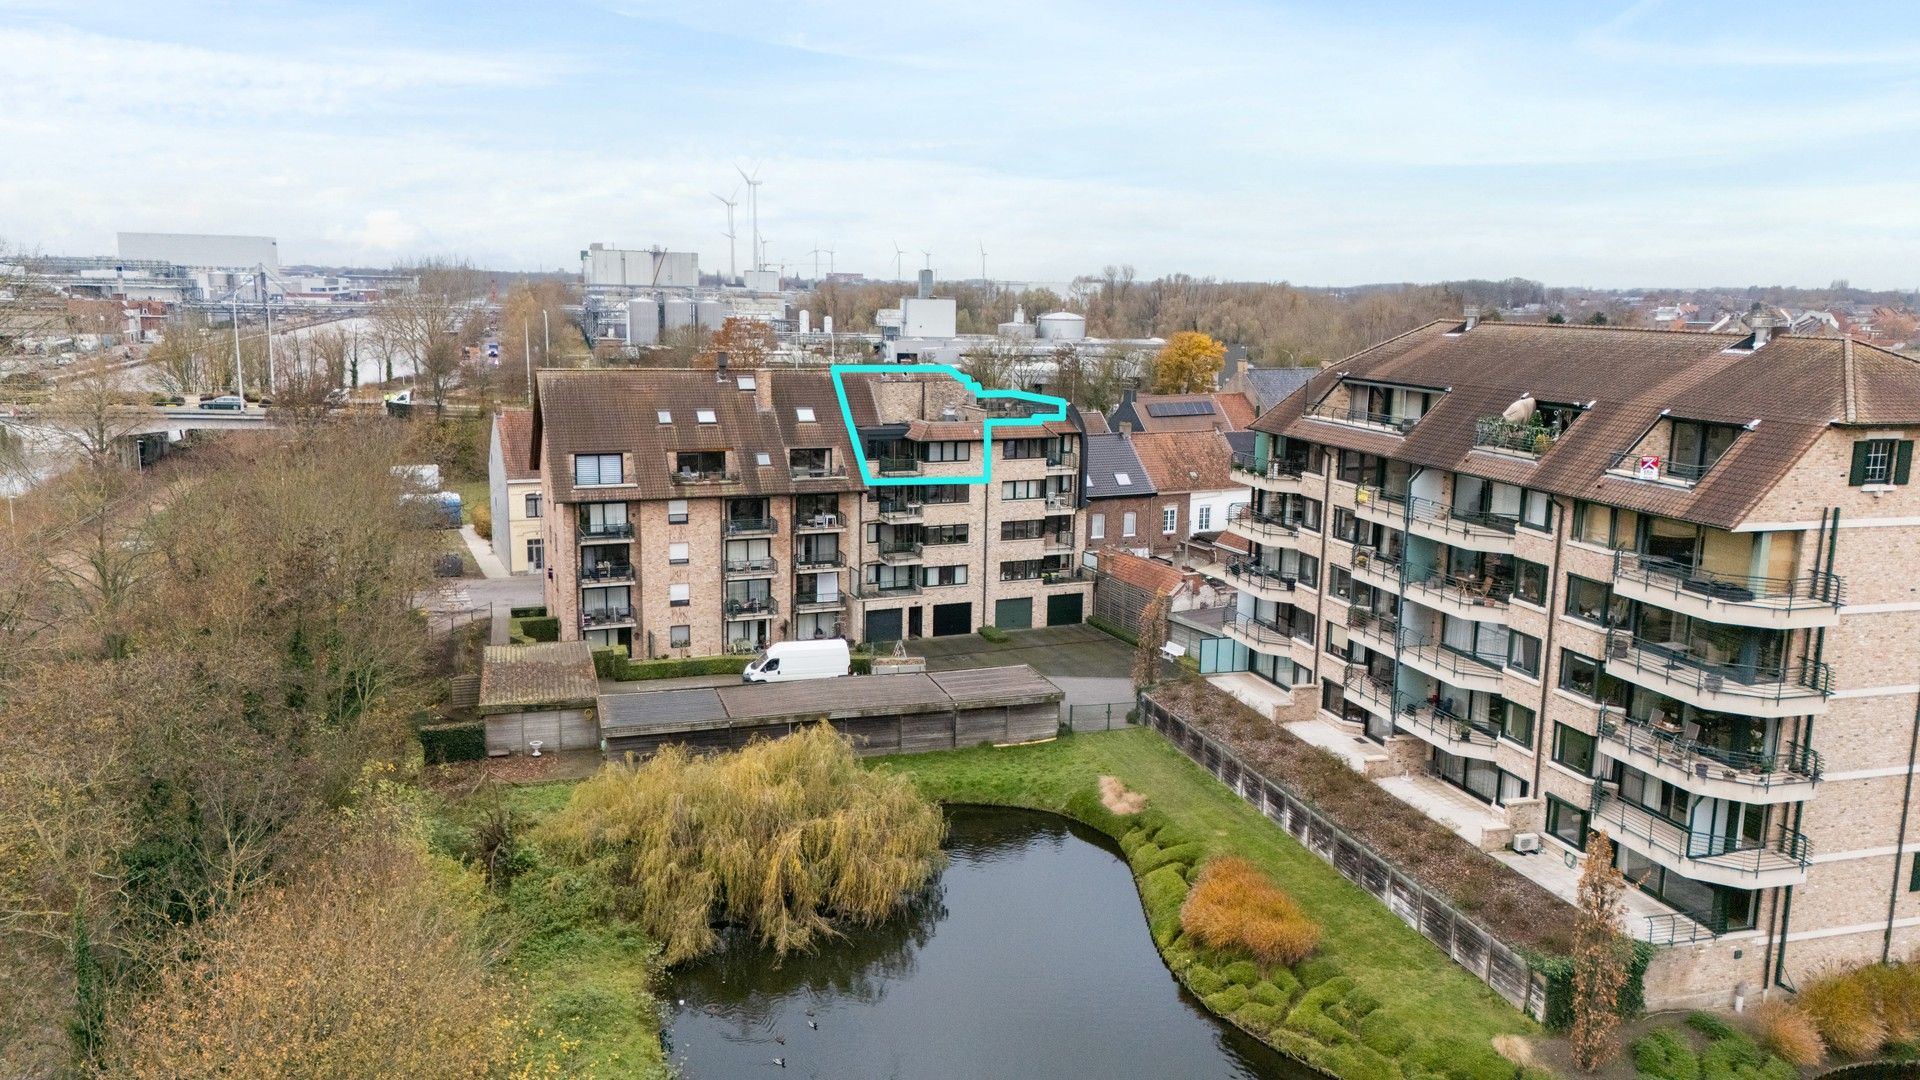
x,y
1029,958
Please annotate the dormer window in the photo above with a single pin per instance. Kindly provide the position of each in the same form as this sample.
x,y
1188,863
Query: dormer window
x,y
590,470
1697,445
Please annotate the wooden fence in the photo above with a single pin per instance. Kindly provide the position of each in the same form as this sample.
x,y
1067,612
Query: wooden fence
x,y
1469,944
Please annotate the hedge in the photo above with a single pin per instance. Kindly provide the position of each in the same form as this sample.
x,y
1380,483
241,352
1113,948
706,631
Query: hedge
x,y
527,612
454,742
994,634
541,627
1559,973
1103,625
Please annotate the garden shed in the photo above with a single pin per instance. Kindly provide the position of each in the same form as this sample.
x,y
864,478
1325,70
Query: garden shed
x,y
543,692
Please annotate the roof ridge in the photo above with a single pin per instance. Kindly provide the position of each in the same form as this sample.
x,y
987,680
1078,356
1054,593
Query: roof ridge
x,y
1846,367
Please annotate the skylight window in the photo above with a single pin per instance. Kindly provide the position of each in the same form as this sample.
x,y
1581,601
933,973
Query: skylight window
x,y
1123,479
763,459
706,416
748,382
665,416
805,416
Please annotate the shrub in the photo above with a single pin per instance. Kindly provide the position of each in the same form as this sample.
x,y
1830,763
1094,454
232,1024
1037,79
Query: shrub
x,y
1150,858
1228,1000
610,662
861,664
442,743
680,669
1662,1054
995,634
482,519
1104,626
1896,992
1786,1029
1242,973
1204,981
527,612
1234,905
1843,1010
541,628
1711,1026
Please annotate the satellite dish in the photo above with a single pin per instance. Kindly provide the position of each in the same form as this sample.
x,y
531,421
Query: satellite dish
x,y
1520,411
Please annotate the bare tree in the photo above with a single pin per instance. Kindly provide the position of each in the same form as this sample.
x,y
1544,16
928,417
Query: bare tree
x,y
1599,957
427,324
91,411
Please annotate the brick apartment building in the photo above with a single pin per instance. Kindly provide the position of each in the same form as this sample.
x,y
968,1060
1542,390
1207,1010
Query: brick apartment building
x,y
691,513
1671,595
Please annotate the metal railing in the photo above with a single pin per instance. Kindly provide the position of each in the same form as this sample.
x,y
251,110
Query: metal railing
x,y
1790,763
1807,678
752,567
743,525
1393,425
1499,433
1059,502
1628,462
899,549
1245,514
817,472
1461,588
1056,541
1443,723
605,617
752,605
868,590
1262,577
1063,577
607,572
1677,841
1815,589
1439,513
622,530
1376,561
1063,459
815,598
703,476
1679,928
1274,469
1261,630
811,560
1383,624
890,465
1455,663
1368,686
898,511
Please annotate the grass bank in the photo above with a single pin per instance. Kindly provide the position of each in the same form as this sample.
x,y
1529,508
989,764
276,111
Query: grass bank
x,y
1377,1000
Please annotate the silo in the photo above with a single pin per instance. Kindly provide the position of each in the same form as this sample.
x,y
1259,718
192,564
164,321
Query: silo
x,y
711,314
643,321
1062,326
679,314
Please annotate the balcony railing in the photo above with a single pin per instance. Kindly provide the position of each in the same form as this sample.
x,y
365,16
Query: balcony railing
x,y
703,476
605,617
607,572
1260,577
752,606
1786,850
814,560
621,530
1377,561
744,526
1274,469
1063,459
1787,682
899,550
817,472
820,520
1628,463
1677,928
1442,723
897,466
901,510
1449,517
1499,433
1453,665
818,599
1818,589
1056,541
1261,521
751,567
1064,577
1392,425
1460,588
1059,502
1381,624
1367,686
868,590
1264,631
1790,763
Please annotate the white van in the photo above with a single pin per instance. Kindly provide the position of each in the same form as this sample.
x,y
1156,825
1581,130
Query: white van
x,y
789,661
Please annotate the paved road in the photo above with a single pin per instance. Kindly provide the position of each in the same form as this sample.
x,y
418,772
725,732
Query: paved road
x,y
1089,666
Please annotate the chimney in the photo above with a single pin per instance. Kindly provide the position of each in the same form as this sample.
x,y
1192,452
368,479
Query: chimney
x,y
1473,316
1126,428
763,390
1763,328
926,284
720,361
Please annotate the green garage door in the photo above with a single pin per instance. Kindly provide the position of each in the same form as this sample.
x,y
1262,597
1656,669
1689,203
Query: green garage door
x,y
1013,614
883,625
1063,609
951,619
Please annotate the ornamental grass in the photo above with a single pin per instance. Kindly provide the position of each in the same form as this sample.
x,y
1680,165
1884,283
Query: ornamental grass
x,y
1235,906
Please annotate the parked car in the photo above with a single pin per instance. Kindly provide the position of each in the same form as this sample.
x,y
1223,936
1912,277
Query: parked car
x,y
224,401
791,661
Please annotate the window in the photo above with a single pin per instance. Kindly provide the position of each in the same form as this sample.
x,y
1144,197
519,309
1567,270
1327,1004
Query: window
x,y
1594,602
680,595
1536,510
1696,446
1203,519
1306,569
1345,525
1529,581
536,554
1523,653
1573,748
1020,570
1170,520
803,415
679,554
1340,582
1308,516
1097,527
747,382
941,494
943,534
705,416
1023,489
1023,530
1567,822
1879,462
596,469
1121,479
680,637
676,511
946,451
763,459
533,504
1913,875
1582,675
664,416
1606,526
1022,449
932,576
1127,523
1517,724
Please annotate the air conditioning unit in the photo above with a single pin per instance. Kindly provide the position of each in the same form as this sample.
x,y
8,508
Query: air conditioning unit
x,y
1526,843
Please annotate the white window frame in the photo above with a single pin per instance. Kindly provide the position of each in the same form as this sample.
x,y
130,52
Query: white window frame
x,y
1096,526
1203,518
679,595
706,416
803,414
531,504
536,553
599,470
676,511
679,553
1128,521
1169,520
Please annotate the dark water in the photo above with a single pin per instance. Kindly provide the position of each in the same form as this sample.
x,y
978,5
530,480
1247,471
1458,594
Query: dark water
x,y
1030,958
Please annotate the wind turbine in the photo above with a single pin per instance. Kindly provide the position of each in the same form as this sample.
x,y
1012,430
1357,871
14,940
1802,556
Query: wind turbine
x,y
897,252
929,256
829,262
753,203
983,258
729,203
816,252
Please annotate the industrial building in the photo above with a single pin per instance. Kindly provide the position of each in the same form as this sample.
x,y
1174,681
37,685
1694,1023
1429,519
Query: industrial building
x,y
204,251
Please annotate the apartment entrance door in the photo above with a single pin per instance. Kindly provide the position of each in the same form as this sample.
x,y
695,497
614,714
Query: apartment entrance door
x,y
914,626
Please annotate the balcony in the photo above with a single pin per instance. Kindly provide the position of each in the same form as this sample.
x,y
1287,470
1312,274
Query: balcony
x,y
1371,692
1799,689
816,600
1702,856
751,607
1255,633
1277,476
1433,723
820,522
900,551
606,573
1072,576
1471,529
1812,600
817,472
1788,775
818,560
1381,422
1428,655
889,465
1377,568
1264,582
751,526
1375,630
704,476
1527,440
1630,464
1060,504
599,618
899,511
611,530
1063,461
1481,599
868,590
1261,527
1056,543
764,566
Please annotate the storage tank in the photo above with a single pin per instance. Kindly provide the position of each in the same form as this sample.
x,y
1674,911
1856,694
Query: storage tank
x,y
711,314
806,321
679,314
643,321
1062,326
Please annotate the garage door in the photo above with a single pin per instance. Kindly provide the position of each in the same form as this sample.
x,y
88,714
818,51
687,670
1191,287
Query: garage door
x,y
950,619
1063,609
883,625
1013,614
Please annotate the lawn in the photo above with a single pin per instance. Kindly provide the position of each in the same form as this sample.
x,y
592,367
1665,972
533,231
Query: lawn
x,y
1400,983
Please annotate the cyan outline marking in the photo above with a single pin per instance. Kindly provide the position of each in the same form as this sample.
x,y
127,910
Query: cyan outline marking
x,y
981,392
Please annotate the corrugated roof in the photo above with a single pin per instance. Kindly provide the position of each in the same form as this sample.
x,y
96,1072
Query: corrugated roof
x,y
1186,461
1109,456
1795,387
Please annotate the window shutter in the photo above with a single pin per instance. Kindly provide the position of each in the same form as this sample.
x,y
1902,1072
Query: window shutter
x,y
1859,474
1902,460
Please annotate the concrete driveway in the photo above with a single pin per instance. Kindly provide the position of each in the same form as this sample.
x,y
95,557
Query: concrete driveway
x,y
1090,667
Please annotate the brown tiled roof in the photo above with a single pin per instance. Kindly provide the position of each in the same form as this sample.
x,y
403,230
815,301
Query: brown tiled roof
x,y
1155,577
1795,387
1239,411
1094,422
614,411
1187,461
1218,418
516,442
515,678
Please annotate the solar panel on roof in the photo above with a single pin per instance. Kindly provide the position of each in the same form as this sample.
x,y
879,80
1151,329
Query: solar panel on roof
x,y
1180,408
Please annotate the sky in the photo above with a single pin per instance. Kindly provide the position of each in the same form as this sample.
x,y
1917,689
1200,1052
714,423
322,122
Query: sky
x,y
1620,145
